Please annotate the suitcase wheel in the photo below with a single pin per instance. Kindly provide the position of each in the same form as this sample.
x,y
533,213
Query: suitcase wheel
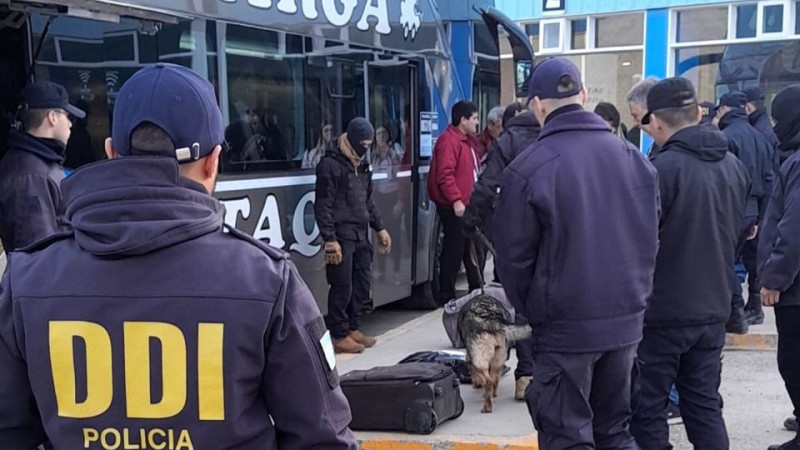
x,y
434,423
459,408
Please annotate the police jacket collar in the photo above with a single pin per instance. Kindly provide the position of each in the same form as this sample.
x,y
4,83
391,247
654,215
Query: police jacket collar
x,y
736,115
572,118
702,141
47,149
136,205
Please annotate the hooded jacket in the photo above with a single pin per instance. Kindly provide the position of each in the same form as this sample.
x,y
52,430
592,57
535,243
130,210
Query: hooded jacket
x,y
147,286
704,189
454,169
779,241
520,133
760,121
753,149
30,193
343,206
576,234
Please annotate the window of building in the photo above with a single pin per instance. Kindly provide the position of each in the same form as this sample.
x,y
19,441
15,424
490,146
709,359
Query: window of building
x,y
551,36
773,19
702,24
532,30
578,34
620,30
746,21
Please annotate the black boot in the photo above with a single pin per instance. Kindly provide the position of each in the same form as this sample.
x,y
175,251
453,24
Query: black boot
x,y
737,324
791,424
754,313
794,444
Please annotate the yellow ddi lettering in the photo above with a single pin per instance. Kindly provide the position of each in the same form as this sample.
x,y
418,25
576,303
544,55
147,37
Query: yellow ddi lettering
x,y
137,337
98,368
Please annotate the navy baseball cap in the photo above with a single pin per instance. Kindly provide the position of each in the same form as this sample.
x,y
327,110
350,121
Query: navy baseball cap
x,y
675,92
735,99
709,110
48,95
544,79
175,99
754,94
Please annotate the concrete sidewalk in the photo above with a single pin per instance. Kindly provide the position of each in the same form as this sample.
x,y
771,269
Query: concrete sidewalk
x,y
509,427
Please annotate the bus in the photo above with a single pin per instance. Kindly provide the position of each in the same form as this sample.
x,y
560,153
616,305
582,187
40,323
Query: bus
x,y
289,75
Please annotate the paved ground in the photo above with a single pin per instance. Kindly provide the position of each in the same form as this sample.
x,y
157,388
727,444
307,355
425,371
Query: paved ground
x,y
755,400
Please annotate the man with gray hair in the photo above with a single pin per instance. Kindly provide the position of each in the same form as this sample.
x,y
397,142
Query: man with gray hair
x,y
494,126
637,102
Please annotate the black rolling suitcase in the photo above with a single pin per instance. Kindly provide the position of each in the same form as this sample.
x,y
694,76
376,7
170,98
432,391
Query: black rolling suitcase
x,y
412,397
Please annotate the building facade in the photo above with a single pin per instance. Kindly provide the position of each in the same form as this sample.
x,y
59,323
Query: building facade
x,y
719,46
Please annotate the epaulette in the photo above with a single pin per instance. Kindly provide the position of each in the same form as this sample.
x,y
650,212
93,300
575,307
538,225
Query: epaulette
x,y
272,252
45,242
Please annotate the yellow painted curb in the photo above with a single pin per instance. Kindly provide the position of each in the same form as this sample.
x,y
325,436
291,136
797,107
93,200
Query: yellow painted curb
x,y
395,442
760,342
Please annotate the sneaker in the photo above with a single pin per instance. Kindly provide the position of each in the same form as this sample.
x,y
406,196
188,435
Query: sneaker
x,y
673,414
791,424
521,385
363,339
794,444
347,345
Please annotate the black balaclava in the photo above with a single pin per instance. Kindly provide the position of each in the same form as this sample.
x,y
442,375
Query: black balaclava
x,y
359,130
787,116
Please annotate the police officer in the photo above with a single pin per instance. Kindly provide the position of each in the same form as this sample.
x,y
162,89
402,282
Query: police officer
x,y
32,170
223,321
779,252
753,149
576,228
757,114
345,211
521,131
703,189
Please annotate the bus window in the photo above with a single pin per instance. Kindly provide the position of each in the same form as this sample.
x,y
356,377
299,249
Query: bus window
x,y
93,59
262,101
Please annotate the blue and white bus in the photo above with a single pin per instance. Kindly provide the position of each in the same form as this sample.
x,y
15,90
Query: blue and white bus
x,y
289,75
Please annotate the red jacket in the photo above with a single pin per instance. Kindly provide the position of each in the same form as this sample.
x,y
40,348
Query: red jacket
x,y
454,168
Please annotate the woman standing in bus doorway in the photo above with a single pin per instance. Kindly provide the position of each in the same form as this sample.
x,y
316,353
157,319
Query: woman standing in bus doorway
x,y
312,156
385,160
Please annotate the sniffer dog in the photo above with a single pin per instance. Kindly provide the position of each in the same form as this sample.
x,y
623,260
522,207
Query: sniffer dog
x,y
484,327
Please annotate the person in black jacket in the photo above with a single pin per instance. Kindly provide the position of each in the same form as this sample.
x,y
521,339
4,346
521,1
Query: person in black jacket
x,y
779,251
344,211
703,190
32,169
753,149
520,132
757,114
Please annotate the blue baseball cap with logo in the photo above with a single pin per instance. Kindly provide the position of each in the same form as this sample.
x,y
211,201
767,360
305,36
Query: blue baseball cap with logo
x,y
175,99
545,77
48,95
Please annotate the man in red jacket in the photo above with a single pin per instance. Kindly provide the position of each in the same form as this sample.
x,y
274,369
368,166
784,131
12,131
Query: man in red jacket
x,y
454,169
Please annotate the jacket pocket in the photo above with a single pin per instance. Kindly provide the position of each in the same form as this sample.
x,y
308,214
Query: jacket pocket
x,y
323,344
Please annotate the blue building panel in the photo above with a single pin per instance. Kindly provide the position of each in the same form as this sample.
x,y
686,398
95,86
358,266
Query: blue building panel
x,y
532,10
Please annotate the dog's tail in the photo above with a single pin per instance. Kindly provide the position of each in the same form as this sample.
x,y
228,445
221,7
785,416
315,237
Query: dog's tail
x,y
517,332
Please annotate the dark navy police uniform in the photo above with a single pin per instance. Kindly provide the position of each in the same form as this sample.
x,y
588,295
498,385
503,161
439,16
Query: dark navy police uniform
x,y
576,236
146,325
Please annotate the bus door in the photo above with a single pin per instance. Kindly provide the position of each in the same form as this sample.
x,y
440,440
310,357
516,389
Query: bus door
x,y
389,104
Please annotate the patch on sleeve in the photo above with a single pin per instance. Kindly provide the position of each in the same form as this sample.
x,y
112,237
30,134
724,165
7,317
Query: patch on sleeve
x,y
327,347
